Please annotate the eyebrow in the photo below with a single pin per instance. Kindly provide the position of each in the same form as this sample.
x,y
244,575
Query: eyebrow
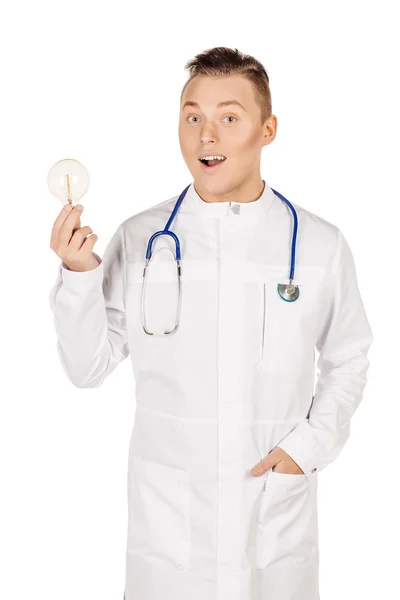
x,y
219,105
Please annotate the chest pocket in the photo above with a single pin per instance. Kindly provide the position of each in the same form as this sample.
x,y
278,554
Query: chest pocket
x,y
288,328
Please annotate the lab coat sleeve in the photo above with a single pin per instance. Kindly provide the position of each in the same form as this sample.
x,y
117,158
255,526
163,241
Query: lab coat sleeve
x,y
89,316
343,341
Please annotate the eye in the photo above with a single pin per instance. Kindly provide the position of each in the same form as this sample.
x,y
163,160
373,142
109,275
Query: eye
x,y
194,117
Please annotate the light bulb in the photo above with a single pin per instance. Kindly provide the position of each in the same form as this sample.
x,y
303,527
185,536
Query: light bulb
x,y
68,180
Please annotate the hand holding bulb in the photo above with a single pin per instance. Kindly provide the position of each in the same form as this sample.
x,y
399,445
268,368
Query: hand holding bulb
x,y
68,180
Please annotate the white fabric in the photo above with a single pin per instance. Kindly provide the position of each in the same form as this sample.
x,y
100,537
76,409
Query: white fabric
x,y
235,380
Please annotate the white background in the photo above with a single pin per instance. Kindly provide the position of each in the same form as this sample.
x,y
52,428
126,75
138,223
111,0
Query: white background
x,y
100,82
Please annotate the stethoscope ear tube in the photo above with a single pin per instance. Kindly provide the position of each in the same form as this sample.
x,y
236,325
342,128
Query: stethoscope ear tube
x,y
179,292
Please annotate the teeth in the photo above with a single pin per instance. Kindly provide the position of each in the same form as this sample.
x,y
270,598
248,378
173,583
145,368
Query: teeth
x,y
213,158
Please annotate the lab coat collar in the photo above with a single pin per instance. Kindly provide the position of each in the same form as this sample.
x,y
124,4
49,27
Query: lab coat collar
x,y
194,203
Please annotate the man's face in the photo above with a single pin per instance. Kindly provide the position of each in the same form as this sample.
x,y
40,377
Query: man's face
x,y
230,130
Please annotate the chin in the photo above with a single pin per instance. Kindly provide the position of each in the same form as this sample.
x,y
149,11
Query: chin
x,y
217,188
212,187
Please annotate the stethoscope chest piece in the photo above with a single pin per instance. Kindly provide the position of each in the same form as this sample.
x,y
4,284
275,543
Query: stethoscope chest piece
x,y
288,291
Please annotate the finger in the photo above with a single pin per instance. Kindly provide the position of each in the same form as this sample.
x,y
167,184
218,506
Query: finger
x,y
63,214
78,237
88,244
71,224
265,464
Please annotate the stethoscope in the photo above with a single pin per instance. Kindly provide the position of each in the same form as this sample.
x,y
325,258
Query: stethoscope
x,y
287,291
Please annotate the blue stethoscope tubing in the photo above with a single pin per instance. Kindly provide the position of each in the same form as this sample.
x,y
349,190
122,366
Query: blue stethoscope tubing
x,y
287,292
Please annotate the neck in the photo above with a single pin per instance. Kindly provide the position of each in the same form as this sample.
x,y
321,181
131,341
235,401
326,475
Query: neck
x,y
246,191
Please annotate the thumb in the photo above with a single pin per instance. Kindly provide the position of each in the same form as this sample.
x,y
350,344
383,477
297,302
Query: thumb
x,y
265,464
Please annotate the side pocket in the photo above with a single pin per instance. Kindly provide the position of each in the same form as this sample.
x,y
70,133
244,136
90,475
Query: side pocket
x,y
287,530
159,512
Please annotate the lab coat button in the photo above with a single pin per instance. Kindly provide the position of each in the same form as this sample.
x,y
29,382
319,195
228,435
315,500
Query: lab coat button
x,y
313,470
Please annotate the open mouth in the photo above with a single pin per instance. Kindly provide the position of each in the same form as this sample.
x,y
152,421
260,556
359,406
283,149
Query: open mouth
x,y
210,164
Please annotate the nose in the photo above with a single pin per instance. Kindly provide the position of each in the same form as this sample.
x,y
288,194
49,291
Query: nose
x,y
208,133
207,139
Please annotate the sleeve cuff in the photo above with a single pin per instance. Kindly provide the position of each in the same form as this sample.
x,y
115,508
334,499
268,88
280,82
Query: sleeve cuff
x,y
302,448
82,278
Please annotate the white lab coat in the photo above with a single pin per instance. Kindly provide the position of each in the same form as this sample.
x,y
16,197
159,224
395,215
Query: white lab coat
x,y
235,380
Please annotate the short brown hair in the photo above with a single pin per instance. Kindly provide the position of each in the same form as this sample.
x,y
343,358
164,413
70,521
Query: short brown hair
x,y
229,61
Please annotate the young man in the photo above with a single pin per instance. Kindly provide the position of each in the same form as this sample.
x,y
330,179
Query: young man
x,y
229,433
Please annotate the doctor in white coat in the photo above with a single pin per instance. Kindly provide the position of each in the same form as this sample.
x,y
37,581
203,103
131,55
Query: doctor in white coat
x,y
230,429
